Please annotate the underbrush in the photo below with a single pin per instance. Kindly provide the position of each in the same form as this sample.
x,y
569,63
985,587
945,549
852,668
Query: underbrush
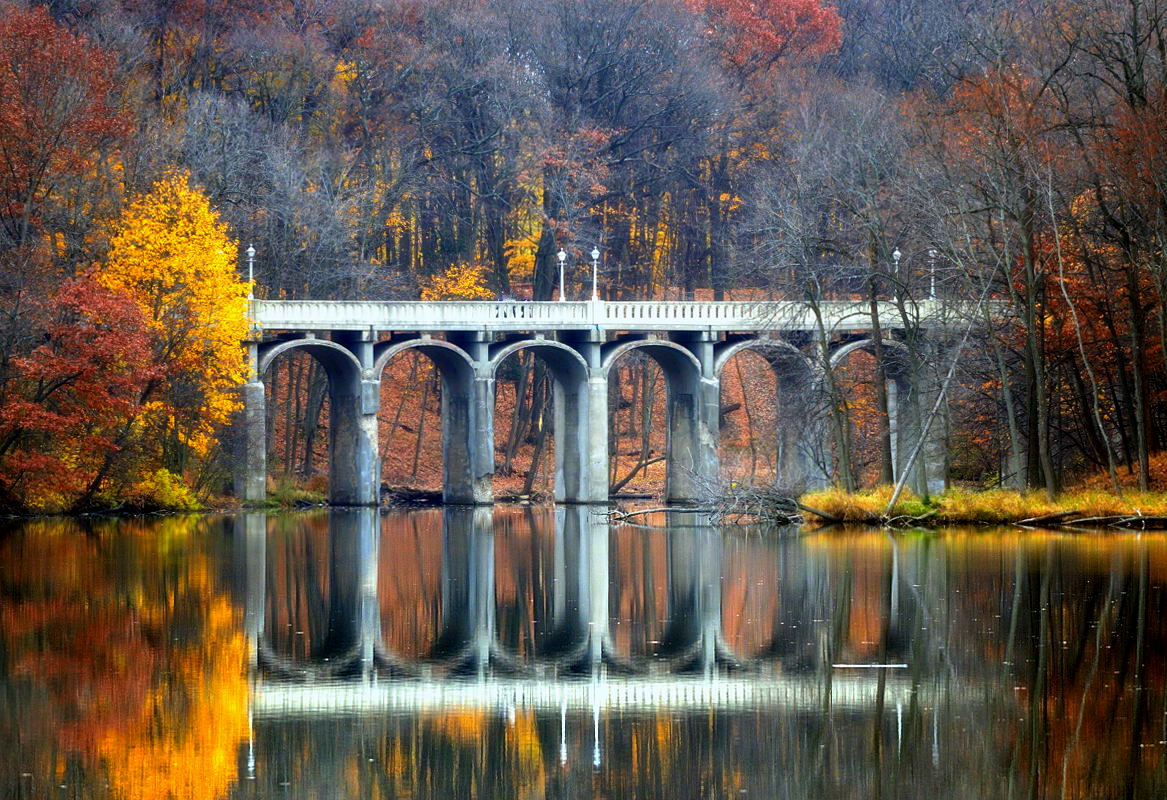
x,y
287,492
990,507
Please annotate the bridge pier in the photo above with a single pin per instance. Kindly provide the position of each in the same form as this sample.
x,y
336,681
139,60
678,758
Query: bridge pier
x,y
574,436
694,403
251,460
354,400
468,422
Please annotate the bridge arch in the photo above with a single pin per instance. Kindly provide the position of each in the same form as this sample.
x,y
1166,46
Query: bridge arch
x,y
353,467
676,361
773,350
902,417
458,414
895,346
451,361
338,361
691,443
564,362
793,438
570,404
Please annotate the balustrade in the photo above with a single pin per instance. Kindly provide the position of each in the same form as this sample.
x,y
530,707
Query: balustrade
x,y
520,315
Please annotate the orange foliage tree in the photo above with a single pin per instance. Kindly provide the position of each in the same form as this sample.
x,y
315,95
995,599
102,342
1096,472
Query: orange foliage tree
x,y
754,35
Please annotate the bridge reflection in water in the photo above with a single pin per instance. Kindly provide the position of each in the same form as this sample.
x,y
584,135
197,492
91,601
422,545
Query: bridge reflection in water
x,y
481,632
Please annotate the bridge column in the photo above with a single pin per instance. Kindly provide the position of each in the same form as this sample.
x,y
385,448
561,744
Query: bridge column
x,y
468,426
934,456
593,438
575,432
694,405
910,400
354,400
802,435
251,455
251,465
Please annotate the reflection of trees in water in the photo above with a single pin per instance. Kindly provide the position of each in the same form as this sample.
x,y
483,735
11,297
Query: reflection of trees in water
x,y
123,661
122,658
953,608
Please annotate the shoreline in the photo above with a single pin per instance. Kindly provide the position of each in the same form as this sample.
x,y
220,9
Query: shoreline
x,y
1087,509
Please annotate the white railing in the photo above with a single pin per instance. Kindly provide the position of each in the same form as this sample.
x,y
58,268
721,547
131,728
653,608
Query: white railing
x,y
305,315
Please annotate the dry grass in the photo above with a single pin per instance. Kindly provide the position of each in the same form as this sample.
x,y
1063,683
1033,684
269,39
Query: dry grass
x,y
863,506
993,507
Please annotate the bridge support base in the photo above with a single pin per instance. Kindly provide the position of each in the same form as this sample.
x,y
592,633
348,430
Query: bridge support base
x,y
251,461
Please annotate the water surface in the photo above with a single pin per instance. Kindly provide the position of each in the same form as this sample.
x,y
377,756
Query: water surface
x,y
513,653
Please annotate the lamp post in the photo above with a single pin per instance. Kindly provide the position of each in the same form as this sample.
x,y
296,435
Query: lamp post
x,y
932,274
595,273
250,272
562,256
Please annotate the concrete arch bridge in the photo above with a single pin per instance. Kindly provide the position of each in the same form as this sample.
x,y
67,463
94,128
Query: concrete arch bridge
x,y
579,343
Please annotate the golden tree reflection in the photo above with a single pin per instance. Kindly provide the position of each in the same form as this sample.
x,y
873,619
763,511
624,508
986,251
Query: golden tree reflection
x,y
138,655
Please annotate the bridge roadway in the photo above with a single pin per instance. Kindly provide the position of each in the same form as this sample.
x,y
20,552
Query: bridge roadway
x,y
579,343
665,693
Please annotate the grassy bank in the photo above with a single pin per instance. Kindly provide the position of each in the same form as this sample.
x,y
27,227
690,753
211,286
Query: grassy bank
x,y
993,507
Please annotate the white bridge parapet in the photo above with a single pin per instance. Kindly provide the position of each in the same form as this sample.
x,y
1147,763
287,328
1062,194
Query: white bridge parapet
x,y
521,315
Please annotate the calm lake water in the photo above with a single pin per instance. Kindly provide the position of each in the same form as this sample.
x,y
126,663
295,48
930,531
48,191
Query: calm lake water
x,y
530,653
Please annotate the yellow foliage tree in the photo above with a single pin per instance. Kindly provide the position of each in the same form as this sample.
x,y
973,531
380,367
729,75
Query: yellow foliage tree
x,y
172,254
460,282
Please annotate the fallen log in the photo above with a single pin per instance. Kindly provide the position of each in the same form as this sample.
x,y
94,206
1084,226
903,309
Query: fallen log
x,y
409,496
1057,518
1107,521
619,516
1143,523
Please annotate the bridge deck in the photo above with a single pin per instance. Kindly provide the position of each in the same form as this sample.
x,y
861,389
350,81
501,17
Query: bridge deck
x,y
634,694
494,316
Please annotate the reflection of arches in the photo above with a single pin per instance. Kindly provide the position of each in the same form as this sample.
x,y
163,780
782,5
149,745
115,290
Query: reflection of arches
x,y
469,638
802,461
693,397
464,476
569,374
693,637
581,638
350,641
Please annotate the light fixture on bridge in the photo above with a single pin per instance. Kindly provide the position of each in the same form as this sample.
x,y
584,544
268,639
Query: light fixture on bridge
x,y
250,271
562,256
595,273
896,255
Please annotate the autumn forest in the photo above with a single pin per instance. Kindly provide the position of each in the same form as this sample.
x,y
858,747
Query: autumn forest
x,y
1007,155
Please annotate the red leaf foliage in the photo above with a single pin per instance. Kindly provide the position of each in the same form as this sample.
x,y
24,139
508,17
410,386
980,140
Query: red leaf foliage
x,y
65,405
54,108
756,34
